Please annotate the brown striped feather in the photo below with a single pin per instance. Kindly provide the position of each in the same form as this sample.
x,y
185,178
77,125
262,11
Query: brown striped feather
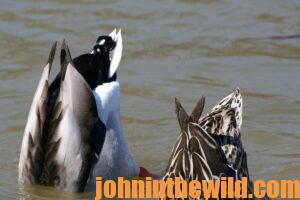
x,y
204,141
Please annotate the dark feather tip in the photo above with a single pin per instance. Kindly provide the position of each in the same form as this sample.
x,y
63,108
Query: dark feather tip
x,y
182,116
52,54
197,112
65,58
65,53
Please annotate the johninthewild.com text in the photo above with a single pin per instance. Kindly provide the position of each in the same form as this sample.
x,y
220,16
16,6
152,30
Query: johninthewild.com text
x,y
225,187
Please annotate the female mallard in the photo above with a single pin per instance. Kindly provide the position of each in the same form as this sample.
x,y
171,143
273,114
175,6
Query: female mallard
x,y
73,132
210,147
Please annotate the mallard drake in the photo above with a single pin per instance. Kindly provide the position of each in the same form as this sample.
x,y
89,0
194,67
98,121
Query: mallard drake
x,y
209,147
73,132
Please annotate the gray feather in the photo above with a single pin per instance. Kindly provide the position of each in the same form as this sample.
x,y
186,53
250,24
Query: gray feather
x,y
61,142
75,131
31,155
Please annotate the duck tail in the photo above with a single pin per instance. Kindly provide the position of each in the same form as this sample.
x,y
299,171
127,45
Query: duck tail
x,y
31,156
75,133
195,155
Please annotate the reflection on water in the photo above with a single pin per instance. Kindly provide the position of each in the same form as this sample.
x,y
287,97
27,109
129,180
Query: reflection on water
x,y
172,49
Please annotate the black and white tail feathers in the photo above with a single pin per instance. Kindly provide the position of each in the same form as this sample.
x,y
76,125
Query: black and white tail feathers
x,y
63,135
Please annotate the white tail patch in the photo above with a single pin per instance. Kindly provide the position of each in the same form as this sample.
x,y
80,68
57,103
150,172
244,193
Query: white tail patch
x,y
117,52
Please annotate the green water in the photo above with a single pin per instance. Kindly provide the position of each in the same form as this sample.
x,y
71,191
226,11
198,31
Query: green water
x,y
176,48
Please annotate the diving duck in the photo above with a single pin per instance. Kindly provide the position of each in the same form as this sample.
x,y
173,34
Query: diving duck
x,y
73,132
210,147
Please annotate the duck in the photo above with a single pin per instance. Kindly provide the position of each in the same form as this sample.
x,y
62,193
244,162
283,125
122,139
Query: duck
x,y
210,147
73,131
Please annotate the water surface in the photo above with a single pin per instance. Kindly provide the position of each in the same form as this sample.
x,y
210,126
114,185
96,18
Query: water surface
x,y
176,48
